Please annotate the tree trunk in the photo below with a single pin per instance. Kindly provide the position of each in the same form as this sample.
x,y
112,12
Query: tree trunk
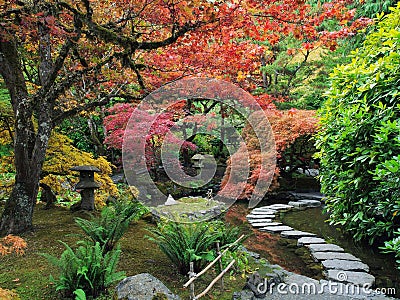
x,y
18,212
30,145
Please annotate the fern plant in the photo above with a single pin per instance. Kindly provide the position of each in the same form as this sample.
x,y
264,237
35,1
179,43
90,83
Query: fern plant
x,y
186,242
86,269
112,223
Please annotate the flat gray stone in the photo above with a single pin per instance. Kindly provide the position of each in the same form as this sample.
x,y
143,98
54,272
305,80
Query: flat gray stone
x,y
260,216
261,224
265,210
309,240
311,203
324,248
357,278
260,212
253,221
318,256
345,265
279,206
295,234
271,224
298,204
143,286
276,229
301,196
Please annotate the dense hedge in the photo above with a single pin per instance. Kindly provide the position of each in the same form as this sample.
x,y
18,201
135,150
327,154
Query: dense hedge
x,y
359,138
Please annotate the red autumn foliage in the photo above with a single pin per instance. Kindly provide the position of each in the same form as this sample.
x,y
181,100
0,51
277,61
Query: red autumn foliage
x,y
287,127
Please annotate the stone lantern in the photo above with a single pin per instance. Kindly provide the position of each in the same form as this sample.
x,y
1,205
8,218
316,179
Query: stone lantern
x,y
198,160
86,185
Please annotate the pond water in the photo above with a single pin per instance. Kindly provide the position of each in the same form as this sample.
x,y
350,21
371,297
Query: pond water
x,y
382,266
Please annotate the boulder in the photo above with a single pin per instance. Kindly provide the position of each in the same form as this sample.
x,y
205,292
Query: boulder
x,y
143,286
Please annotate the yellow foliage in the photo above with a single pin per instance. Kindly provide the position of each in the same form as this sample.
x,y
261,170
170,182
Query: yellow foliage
x,y
8,295
61,156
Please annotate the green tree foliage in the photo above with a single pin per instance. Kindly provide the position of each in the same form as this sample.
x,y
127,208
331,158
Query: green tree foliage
x,y
359,141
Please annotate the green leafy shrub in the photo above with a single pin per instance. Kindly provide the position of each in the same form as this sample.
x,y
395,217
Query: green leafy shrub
x,y
359,138
86,269
186,242
393,246
112,223
193,242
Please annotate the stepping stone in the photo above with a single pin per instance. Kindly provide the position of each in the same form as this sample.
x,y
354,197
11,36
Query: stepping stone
x,y
346,265
276,229
311,203
260,212
261,224
260,216
295,234
309,240
298,204
270,225
279,206
324,248
301,196
265,210
252,221
318,256
357,278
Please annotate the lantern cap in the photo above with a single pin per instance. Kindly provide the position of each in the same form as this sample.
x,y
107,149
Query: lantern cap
x,y
85,168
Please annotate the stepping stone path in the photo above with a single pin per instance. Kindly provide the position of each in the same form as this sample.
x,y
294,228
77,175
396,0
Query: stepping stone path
x,y
345,265
251,216
319,256
309,240
339,266
296,234
276,229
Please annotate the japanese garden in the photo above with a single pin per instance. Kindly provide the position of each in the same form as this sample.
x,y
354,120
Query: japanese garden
x,y
176,149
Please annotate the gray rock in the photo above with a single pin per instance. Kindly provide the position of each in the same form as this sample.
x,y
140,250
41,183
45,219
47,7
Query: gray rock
x,y
266,210
253,221
301,196
298,204
272,224
142,287
266,216
261,224
261,212
295,234
276,229
346,265
357,278
309,240
324,248
318,256
243,295
311,203
279,206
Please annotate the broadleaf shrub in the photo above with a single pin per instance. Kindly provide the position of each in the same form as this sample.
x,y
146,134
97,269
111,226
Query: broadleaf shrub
x,y
359,137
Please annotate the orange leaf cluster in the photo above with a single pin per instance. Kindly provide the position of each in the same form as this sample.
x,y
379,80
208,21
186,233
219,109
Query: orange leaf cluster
x,y
12,243
287,127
